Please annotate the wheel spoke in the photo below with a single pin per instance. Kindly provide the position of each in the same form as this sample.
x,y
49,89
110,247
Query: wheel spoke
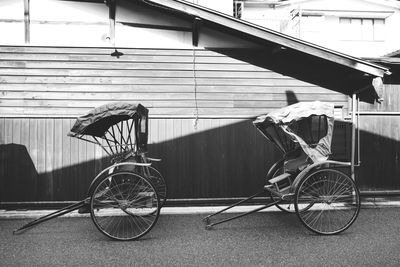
x,y
124,206
336,203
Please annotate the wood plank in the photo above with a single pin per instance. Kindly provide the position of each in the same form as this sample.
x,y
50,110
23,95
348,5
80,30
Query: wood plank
x,y
114,88
3,158
124,58
153,81
2,131
128,96
59,135
173,112
102,50
96,73
43,193
16,131
110,96
95,65
131,66
93,80
33,141
94,58
94,88
49,158
140,73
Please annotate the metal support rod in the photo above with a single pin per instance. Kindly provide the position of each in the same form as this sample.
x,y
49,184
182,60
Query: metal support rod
x,y
52,215
353,134
207,219
233,205
358,134
244,214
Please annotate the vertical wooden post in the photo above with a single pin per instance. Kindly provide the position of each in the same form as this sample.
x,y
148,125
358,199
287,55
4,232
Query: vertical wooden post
x,y
27,22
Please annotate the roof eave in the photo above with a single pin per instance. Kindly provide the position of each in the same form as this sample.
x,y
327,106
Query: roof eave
x,y
269,35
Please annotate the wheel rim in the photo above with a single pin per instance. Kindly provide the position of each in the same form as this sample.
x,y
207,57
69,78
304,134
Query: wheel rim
x,y
335,200
124,206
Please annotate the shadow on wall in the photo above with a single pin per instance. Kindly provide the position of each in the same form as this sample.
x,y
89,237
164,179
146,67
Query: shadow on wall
x,y
226,161
229,160
19,178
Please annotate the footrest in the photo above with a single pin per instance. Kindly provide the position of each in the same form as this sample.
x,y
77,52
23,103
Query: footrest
x,y
282,182
279,178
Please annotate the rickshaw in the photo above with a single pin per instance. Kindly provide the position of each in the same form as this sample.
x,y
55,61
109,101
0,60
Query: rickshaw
x,y
305,180
125,198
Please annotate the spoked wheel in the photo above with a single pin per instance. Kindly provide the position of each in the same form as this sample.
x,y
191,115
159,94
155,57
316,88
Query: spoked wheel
x,y
159,183
335,199
124,206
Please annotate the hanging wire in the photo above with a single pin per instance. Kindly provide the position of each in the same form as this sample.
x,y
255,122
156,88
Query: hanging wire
x,y
196,119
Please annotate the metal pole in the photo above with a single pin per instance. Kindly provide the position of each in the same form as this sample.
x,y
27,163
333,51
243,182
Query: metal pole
x,y
353,134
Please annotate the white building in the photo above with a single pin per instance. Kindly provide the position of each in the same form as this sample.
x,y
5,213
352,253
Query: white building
x,y
363,28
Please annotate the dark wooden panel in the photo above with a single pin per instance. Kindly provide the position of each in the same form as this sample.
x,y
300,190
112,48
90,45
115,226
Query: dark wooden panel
x,y
380,153
217,158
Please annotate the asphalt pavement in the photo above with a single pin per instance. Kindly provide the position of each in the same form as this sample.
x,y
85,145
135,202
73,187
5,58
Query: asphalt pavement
x,y
180,239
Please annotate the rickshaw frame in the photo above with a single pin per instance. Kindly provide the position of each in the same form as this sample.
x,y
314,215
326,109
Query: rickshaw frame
x,y
332,164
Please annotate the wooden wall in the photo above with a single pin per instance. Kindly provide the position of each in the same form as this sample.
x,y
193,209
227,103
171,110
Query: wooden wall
x,y
220,155
380,142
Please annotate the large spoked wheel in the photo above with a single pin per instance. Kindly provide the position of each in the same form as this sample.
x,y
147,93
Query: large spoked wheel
x,y
124,206
335,199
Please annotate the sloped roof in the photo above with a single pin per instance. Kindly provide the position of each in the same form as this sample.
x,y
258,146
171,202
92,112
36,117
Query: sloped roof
x,y
393,54
274,51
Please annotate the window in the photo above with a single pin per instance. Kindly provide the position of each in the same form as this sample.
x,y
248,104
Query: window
x,y
238,9
362,29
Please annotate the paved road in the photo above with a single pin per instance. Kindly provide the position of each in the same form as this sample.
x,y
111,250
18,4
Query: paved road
x,y
263,239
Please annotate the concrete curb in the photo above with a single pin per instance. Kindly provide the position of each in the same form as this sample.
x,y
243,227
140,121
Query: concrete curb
x,y
26,214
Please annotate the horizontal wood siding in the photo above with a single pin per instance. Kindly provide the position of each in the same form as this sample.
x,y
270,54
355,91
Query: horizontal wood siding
x,y
220,155
66,82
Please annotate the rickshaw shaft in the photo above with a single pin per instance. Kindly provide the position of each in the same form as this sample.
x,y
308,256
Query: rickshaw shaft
x,y
206,219
244,214
52,215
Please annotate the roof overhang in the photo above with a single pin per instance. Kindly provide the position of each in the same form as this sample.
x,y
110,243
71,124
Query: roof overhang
x,y
276,51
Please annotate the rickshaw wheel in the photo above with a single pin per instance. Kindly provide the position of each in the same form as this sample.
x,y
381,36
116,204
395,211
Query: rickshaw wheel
x,y
159,183
124,206
335,199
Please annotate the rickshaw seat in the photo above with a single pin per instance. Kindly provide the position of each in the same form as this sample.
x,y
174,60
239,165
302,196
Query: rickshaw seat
x,y
297,164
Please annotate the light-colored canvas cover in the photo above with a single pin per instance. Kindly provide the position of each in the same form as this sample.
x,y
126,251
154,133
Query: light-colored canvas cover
x,y
284,117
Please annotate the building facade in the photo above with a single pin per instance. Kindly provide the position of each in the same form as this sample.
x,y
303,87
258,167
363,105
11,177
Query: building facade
x,y
57,65
362,28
